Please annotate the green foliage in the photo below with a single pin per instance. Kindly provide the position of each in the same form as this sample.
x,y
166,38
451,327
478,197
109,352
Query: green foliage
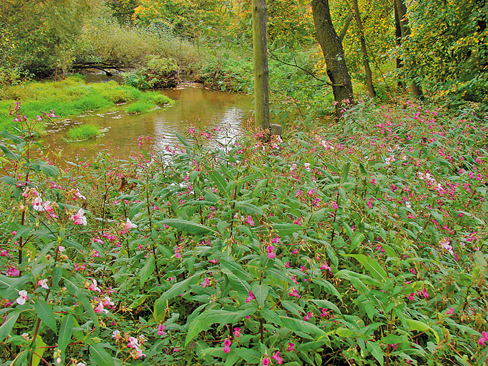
x,y
365,240
139,107
157,74
83,132
447,51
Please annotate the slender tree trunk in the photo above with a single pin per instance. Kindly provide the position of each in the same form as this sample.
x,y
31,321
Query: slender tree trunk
x,y
334,55
346,27
367,69
401,8
260,45
398,38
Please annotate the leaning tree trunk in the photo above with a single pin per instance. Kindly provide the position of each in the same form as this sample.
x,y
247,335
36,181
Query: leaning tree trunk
x,y
333,53
401,10
367,69
260,46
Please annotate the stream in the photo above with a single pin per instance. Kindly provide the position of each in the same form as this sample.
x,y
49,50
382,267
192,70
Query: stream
x,y
224,112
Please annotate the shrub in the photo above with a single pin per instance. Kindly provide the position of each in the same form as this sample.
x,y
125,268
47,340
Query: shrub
x,y
83,132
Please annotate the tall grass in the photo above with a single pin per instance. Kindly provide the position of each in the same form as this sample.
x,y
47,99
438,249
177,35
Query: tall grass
x,y
83,132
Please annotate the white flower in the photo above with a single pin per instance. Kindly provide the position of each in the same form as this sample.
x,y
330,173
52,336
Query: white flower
x,y
408,204
43,284
23,297
37,204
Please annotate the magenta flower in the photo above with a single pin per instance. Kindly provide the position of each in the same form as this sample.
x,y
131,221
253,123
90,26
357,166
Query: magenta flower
x,y
161,328
52,115
206,282
94,286
483,339
265,361
277,358
237,332
308,316
291,347
227,344
450,311
250,297
270,251
12,272
294,292
249,220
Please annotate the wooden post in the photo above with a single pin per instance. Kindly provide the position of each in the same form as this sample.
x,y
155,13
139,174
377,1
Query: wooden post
x,y
260,46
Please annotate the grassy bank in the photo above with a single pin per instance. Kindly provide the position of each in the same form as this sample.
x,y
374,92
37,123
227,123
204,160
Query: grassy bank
x,y
71,97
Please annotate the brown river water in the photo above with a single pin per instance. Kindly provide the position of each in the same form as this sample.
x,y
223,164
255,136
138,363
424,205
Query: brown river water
x,y
195,106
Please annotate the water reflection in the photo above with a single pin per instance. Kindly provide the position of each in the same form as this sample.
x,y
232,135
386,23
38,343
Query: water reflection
x,y
199,107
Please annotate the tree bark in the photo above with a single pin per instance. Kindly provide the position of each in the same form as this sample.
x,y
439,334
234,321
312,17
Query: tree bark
x,y
401,15
260,46
334,55
367,69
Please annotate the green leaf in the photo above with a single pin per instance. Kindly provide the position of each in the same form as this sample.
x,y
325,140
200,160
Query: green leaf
x,y
11,181
65,332
301,326
249,208
100,356
328,287
49,170
175,290
358,239
182,139
287,229
345,172
87,305
249,355
291,306
146,271
376,351
8,324
232,358
187,226
420,327
327,305
236,269
40,347
46,314
239,285
371,266
261,292
220,182
209,317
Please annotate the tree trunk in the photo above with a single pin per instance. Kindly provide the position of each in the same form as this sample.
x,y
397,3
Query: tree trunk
x,y
333,54
401,9
367,69
260,46
398,37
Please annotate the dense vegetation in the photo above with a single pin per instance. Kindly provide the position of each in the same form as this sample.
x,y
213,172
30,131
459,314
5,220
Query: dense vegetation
x,y
352,241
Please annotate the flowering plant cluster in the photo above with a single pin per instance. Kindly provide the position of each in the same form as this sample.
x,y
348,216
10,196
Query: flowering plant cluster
x,y
358,243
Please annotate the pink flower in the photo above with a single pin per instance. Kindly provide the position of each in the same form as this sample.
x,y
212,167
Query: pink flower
x,y
237,332
265,361
249,220
43,284
23,297
483,339
79,218
49,209
450,311
116,335
206,282
129,225
276,239
425,293
12,272
227,344
250,297
52,115
99,309
161,328
308,316
94,286
294,292
291,347
270,251
133,343
37,204
277,357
